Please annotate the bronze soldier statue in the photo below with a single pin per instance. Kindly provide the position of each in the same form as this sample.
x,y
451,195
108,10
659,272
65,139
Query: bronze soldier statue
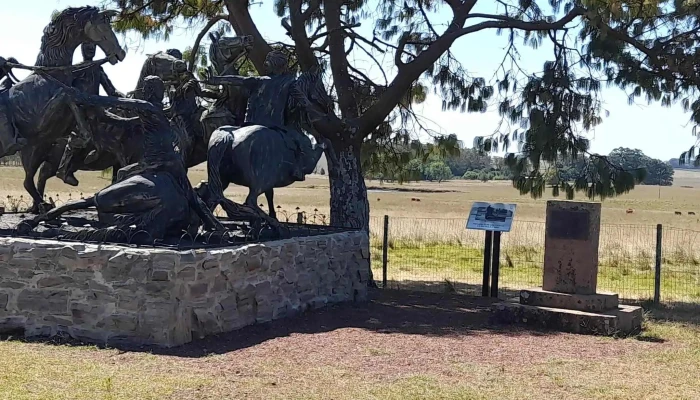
x,y
88,81
8,80
271,98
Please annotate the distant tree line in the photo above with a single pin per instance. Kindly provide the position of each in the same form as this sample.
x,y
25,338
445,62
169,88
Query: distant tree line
x,y
473,165
470,164
654,171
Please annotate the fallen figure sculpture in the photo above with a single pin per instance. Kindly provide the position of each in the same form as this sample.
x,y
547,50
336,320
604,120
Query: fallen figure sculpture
x,y
153,195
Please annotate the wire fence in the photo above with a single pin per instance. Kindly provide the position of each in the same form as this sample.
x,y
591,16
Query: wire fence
x,y
441,255
85,228
22,203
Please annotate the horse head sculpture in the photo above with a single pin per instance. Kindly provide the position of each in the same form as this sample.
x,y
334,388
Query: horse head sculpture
x,y
226,50
162,65
74,26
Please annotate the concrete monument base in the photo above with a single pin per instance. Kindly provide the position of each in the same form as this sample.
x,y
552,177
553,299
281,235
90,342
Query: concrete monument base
x,y
568,300
597,314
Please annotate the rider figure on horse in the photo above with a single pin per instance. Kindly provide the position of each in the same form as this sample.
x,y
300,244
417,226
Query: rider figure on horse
x,y
15,142
185,106
88,81
270,99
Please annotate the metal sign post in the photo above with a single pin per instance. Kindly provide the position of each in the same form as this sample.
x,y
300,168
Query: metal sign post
x,y
493,219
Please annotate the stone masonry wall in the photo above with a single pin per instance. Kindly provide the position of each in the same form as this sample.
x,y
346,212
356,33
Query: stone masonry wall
x,y
119,295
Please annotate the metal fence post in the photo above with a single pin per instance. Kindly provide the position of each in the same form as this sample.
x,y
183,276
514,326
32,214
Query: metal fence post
x,y
495,263
657,270
488,238
385,251
300,218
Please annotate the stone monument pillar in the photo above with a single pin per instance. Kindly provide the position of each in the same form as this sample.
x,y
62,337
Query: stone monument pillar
x,y
568,300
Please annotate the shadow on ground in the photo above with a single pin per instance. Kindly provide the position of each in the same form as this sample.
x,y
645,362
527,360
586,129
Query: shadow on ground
x,y
389,311
687,313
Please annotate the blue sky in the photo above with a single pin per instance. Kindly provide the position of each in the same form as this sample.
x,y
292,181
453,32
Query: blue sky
x,y
659,132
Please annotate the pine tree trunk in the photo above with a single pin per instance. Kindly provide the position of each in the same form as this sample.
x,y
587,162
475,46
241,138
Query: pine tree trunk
x,y
349,204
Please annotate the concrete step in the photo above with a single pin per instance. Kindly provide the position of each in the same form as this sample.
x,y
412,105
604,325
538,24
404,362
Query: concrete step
x,y
598,302
623,320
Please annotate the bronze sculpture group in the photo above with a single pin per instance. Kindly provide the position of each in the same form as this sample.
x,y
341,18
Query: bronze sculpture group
x,y
254,133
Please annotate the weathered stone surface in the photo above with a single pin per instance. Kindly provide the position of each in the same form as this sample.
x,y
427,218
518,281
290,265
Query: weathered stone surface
x,y
86,313
116,295
629,318
568,301
46,301
8,273
129,301
160,275
198,290
119,323
571,247
55,280
186,274
12,284
581,302
624,320
12,323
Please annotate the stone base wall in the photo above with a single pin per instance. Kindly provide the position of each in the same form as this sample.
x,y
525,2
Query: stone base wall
x,y
118,295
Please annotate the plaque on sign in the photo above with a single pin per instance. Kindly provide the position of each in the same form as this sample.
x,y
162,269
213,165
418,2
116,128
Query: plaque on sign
x,y
567,224
497,217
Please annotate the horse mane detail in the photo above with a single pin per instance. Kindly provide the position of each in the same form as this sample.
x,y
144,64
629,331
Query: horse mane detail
x,y
59,30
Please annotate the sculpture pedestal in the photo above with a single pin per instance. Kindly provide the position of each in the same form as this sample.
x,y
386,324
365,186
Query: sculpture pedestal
x,y
597,314
568,301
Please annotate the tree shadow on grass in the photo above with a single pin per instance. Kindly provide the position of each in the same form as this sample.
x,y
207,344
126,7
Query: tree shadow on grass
x,y
387,312
686,313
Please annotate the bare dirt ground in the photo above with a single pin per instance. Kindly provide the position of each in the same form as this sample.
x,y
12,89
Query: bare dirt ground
x,y
401,345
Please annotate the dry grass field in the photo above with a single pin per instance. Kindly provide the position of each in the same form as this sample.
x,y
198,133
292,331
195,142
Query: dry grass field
x,y
651,204
428,242
404,345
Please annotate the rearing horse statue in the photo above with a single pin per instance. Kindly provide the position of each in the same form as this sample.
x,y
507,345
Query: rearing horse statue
x,y
38,107
162,65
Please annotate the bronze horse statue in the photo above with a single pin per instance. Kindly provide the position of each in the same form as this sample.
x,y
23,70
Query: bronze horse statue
x,y
271,150
38,107
258,158
161,65
225,52
153,195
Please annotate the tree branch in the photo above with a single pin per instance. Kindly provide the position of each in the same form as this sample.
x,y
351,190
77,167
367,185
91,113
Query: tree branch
x,y
503,22
243,24
200,36
652,54
339,63
313,6
305,55
409,72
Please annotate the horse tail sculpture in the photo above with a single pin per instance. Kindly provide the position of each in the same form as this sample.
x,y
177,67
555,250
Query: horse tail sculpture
x,y
221,140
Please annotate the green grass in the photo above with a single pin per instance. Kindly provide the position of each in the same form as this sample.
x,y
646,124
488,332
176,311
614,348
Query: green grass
x,y
40,371
631,275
